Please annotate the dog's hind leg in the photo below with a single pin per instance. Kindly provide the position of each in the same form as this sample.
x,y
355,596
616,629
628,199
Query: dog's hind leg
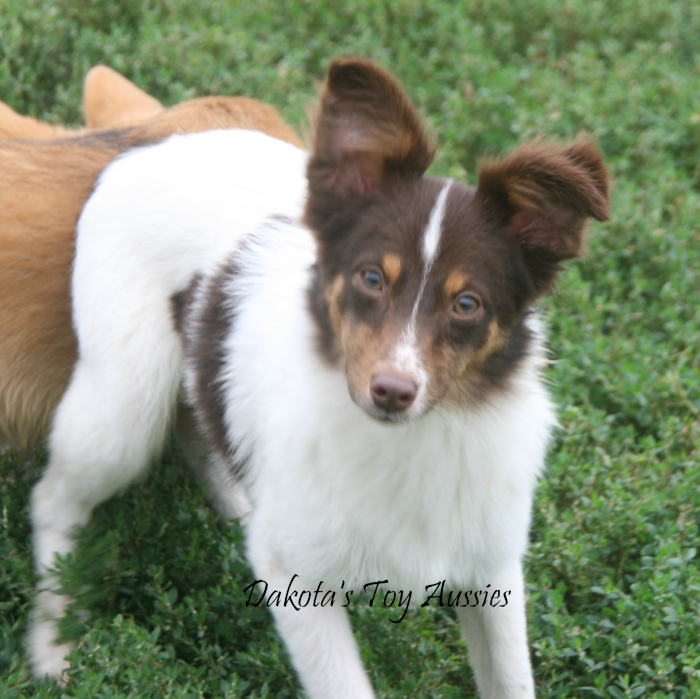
x,y
497,640
110,423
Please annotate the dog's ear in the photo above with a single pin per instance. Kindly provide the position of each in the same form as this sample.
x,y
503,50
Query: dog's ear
x,y
543,194
367,132
110,101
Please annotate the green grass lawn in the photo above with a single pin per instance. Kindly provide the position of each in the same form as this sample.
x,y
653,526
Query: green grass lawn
x,y
613,576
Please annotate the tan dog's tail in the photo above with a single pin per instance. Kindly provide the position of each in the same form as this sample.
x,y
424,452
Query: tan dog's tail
x,y
110,101
13,125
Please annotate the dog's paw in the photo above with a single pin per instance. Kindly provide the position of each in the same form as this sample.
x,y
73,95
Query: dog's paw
x,y
48,658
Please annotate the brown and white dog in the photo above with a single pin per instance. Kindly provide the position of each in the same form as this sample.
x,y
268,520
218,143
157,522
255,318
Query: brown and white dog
x,y
46,175
357,341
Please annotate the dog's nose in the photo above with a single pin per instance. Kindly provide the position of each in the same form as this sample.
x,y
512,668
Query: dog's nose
x,y
392,392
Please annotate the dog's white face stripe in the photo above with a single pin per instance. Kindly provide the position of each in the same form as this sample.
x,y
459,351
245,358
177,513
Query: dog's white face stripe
x,y
406,354
431,238
431,242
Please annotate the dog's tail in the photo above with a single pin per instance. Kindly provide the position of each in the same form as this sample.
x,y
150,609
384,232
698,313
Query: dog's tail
x,y
13,125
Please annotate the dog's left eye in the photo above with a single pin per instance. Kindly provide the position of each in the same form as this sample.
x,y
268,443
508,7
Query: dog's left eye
x,y
466,305
372,279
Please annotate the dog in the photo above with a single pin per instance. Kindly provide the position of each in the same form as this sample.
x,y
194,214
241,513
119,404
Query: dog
x,y
46,175
357,344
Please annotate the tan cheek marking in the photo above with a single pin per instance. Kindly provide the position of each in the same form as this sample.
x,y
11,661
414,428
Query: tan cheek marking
x,y
461,367
496,340
391,265
439,364
466,368
449,368
364,348
455,283
332,298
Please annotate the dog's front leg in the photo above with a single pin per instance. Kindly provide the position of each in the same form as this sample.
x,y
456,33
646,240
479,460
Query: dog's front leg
x,y
224,490
320,642
496,635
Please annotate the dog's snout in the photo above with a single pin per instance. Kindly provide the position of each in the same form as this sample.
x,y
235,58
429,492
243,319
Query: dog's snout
x,y
392,392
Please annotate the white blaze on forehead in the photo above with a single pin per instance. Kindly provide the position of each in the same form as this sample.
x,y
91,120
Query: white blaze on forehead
x,y
406,355
431,239
431,242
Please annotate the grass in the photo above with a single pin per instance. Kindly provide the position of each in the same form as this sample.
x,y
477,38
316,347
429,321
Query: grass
x,y
613,579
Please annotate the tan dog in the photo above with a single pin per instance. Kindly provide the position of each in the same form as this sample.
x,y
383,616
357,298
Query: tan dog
x,y
43,187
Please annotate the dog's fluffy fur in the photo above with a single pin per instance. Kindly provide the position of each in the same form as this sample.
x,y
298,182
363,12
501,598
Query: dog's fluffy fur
x,y
359,354
43,187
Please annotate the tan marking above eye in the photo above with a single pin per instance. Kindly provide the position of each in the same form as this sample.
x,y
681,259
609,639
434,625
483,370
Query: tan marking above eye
x,y
391,266
332,295
455,283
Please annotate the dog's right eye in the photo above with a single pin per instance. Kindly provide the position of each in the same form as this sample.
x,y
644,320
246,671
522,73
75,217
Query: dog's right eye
x,y
372,279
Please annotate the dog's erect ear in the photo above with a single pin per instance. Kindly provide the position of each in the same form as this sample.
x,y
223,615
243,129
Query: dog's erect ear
x,y
110,101
367,131
543,193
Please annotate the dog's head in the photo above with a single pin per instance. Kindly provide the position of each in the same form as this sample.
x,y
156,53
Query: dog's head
x,y
423,283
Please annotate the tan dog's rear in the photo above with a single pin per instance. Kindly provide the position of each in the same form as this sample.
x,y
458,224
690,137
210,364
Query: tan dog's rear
x,y
43,187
